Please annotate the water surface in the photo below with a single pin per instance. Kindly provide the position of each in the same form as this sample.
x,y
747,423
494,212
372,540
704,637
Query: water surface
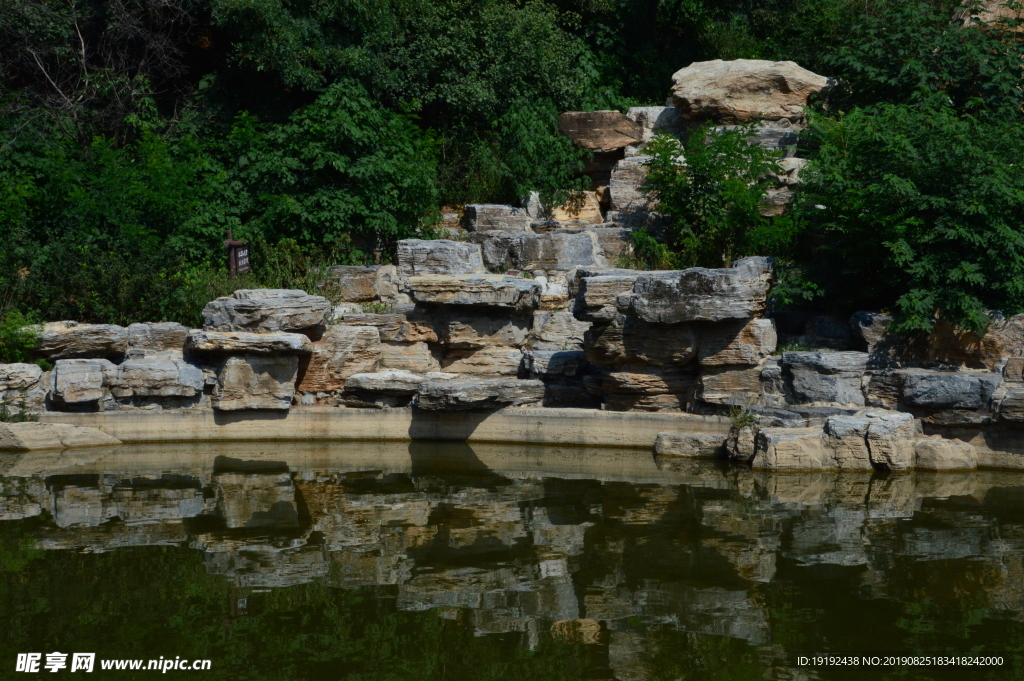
x,y
391,562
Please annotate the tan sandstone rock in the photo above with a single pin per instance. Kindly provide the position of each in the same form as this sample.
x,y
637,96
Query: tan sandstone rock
x,y
690,445
342,352
256,382
599,130
266,311
737,343
25,437
70,340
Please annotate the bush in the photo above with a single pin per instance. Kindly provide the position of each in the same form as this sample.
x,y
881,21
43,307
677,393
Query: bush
x,y
918,209
711,188
17,337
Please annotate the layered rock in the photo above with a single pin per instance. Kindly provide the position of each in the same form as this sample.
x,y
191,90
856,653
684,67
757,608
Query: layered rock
x,y
417,258
477,393
690,445
343,351
70,340
252,381
600,130
266,311
160,375
79,381
244,342
744,90
158,336
493,290
483,217
826,376
25,437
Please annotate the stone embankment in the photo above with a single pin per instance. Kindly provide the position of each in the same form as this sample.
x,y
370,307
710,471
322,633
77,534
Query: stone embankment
x,y
527,310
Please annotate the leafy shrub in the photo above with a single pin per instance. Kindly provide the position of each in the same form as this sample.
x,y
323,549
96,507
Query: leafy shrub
x,y
711,188
920,209
17,336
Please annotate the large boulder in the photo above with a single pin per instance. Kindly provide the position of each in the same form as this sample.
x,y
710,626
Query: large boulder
x,y
199,341
558,251
418,358
939,454
256,382
497,361
595,292
870,439
459,328
735,386
656,119
266,311
26,437
599,130
483,217
71,340
744,90
737,342
690,445
417,258
788,449
455,394
670,390
19,376
165,374
582,208
157,336
77,381
949,390
354,283
412,326
343,351
826,376
701,294
628,341
557,331
385,382
626,185
494,290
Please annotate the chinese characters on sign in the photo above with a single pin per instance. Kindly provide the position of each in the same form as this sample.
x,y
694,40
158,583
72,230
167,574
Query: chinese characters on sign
x,y
238,255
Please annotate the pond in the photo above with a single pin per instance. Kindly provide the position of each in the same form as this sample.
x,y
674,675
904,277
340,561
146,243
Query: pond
x,y
388,561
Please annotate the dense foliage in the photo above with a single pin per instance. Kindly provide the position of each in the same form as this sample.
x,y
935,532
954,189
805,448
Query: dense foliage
x,y
133,134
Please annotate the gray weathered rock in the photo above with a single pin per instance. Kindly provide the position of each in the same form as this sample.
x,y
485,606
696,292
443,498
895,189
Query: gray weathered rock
x,y
737,386
483,362
737,342
740,444
483,217
26,437
871,439
626,185
492,290
655,119
69,340
19,376
936,453
235,342
354,284
788,449
613,242
1011,407
846,443
690,445
266,311
557,331
417,258
159,336
548,363
417,358
600,130
869,328
161,375
558,251
949,390
256,382
700,294
826,376
385,382
477,393
75,381
343,351
627,341
744,90
596,292
397,327
461,328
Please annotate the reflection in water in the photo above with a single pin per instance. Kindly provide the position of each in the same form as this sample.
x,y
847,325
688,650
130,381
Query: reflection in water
x,y
612,567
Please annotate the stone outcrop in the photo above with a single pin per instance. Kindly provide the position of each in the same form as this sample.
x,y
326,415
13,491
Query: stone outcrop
x,y
199,341
492,290
417,258
160,375
600,130
256,382
744,90
826,376
483,217
70,340
266,311
77,381
477,393
19,376
158,336
343,351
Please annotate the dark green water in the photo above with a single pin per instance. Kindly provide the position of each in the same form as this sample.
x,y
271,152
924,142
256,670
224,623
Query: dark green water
x,y
392,562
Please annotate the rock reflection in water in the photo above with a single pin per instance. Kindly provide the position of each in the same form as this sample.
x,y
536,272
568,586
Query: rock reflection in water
x,y
595,547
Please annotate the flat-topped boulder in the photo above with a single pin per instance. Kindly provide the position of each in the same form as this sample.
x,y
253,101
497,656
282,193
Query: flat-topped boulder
x,y
497,361
939,454
701,294
73,340
164,374
419,357
477,393
737,342
870,439
744,90
76,381
596,293
201,341
354,283
266,310
158,336
557,251
385,382
483,217
19,376
419,257
458,328
396,327
256,382
600,130
949,389
827,376
27,437
494,290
